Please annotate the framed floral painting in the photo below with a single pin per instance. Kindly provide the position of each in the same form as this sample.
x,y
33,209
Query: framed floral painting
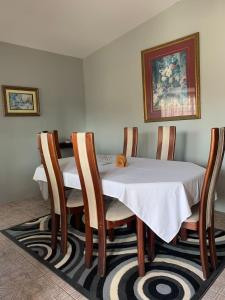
x,y
20,101
171,84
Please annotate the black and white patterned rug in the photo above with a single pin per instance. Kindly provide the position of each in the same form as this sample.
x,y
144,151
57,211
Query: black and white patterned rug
x,y
174,274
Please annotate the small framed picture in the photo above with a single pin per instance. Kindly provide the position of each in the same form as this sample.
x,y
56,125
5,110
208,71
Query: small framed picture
x,y
171,80
20,101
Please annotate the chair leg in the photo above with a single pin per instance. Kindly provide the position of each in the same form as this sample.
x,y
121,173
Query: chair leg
x,y
77,221
88,246
174,241
55,219
203,253
101,251
151,244
140,246
183,234
212,248
64,234
111,234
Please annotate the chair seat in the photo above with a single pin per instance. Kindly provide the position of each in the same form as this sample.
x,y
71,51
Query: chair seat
x,y
74,198
116,210
194,218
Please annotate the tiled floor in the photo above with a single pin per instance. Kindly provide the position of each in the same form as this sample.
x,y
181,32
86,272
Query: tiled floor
x,y
24,278
21,276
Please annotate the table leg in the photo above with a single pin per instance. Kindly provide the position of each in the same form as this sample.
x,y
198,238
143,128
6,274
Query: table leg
x,y
141,248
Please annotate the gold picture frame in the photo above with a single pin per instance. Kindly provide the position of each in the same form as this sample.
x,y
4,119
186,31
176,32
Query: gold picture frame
x,y
20,101
171,80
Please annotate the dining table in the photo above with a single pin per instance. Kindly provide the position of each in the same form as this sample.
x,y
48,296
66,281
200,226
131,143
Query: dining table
x,y
160,192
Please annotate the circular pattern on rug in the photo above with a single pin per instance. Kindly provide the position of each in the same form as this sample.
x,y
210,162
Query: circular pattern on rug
x,y
164,279
174,274
162,287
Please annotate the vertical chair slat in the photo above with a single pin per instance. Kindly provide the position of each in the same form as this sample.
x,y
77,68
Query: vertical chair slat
x,y
130,141
166,142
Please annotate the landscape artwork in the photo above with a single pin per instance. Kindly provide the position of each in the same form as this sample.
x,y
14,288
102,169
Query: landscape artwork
x,y
20,101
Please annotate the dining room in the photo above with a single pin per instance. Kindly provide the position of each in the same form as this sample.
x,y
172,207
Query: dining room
x,y
112,144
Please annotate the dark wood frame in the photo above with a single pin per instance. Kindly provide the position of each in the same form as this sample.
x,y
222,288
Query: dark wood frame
x,y
191,44
55,218
5,88
103,224
57,145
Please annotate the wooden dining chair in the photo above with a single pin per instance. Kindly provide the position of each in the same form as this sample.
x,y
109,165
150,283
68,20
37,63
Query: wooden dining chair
x,y
130,141
62,203
166,142
56,136
202,218
100,213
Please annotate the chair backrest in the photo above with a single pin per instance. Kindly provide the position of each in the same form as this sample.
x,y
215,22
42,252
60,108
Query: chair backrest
x,y
211,176
166,142
49,158
56,136
86,162
130,141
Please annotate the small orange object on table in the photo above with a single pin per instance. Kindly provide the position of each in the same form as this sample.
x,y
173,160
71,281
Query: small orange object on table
x,y
121,161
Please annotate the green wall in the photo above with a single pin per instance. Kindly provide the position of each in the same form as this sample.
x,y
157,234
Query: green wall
x,y
113,83
60,82
113,95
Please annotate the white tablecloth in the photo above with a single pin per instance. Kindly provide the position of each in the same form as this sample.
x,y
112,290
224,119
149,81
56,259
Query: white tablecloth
x,y
158,192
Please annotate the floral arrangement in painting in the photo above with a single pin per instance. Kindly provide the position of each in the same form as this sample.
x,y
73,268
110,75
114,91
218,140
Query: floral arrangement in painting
x,y
170,78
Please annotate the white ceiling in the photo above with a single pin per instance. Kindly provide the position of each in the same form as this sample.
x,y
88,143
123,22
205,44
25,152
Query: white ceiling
x,y
73,27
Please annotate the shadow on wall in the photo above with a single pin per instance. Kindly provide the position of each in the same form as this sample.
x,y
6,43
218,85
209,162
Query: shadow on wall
x,y
187,148
180,148
147,143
